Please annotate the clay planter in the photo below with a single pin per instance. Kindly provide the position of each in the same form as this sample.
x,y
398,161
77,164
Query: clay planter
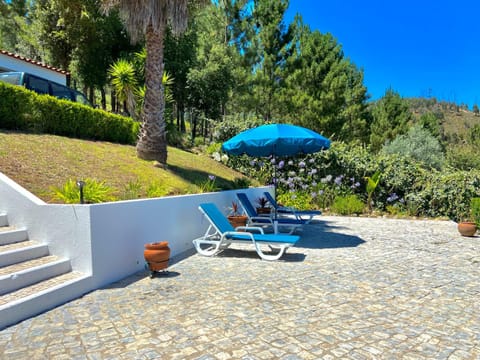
x,y
263,210
237,220
467,228
157,255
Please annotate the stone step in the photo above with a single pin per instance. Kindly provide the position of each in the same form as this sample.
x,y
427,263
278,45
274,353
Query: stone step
x,y
9,235
21,251
40,297
3,219
17,276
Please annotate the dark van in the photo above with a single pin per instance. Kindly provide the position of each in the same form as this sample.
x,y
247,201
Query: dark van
x,y
44,86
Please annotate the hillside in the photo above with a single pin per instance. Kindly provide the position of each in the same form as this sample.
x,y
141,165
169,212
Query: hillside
x,y
454,118
40,162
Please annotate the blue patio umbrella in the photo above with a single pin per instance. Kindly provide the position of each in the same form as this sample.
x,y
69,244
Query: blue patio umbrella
x,y
276,140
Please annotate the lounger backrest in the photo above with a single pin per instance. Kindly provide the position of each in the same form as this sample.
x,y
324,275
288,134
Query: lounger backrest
x,y
218,220
270,199
247,205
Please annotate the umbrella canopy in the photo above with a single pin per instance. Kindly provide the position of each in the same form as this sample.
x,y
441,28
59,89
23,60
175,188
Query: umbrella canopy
x,y
276,140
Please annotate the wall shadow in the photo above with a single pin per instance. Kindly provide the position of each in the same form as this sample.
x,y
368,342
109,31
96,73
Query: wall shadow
x,y
323,234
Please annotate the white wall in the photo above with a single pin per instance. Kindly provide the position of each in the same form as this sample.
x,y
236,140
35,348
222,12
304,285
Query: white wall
x,y
13,64
65,228
121,229
107,240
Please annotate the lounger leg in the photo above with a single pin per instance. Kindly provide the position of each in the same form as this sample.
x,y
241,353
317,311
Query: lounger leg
x,y
210,251
264,256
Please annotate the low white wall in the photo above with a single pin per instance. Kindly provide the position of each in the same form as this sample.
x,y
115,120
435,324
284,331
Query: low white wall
x,y
65,228
107,240
120,230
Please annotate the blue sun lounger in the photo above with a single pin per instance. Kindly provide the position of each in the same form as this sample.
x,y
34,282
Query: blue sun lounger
x,y
255,220
306,215
220,234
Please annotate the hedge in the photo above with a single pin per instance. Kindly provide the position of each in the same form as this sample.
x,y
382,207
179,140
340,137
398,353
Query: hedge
x,y
25,110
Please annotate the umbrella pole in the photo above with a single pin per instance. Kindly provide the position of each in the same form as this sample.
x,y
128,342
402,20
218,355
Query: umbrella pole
x,y
275,223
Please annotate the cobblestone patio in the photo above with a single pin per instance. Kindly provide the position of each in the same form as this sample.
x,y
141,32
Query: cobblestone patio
x,y
353,288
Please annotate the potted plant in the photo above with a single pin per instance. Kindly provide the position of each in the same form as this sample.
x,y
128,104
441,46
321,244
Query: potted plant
x,y
235,217
469,226
263,208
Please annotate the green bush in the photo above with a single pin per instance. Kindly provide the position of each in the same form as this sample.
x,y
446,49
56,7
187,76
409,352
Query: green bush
x,y
419,144
298,200
463,157
93,192
21,109
475,210
235,124
447,194
348,205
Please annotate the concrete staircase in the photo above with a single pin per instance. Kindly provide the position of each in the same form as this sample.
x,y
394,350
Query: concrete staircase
x,y
31,279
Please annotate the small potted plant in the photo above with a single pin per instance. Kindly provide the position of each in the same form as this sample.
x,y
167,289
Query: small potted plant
x,y
263,208
469,226
235,217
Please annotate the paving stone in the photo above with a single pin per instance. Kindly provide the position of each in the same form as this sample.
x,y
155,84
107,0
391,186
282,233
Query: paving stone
x,y
352,288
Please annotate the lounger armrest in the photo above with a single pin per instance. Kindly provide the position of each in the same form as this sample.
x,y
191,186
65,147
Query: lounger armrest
x,y
250,228
287,208
240,233
261,218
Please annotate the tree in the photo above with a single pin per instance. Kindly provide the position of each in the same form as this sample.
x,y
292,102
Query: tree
x,y
476,111
19,29
430,122
324,91
150,18
81,39
391,117
271,46
180,57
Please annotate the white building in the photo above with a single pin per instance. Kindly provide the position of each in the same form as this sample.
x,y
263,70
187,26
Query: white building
x,y
14,62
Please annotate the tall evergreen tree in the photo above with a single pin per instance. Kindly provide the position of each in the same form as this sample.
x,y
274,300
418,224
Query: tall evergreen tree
x,y
271,46
324,91
391,117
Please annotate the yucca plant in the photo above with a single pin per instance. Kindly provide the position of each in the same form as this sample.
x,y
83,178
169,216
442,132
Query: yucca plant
x,y
372,183
124,81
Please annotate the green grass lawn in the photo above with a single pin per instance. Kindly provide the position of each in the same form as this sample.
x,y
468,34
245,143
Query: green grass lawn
x,y
40,162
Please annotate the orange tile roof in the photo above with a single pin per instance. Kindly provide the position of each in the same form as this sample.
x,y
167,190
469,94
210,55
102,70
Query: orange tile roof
x,y
38,63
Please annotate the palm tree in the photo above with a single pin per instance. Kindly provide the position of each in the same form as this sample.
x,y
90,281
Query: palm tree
x,y
150,18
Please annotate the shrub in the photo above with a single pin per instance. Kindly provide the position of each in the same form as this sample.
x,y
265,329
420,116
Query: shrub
x,y
132,190
22,109
475,210
419,144
447,194
463,157
298,200
348,205
93,192
341,171
156,189
235,124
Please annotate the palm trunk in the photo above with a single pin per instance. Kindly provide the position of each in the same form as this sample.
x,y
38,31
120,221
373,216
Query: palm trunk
x,y
152,142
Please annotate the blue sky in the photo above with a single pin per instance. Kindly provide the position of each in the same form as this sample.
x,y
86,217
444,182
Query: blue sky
x,y
418,48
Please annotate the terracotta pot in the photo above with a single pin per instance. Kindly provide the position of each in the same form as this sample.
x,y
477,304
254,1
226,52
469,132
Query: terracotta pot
x,y
467,228
263,210
157,255
237,220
